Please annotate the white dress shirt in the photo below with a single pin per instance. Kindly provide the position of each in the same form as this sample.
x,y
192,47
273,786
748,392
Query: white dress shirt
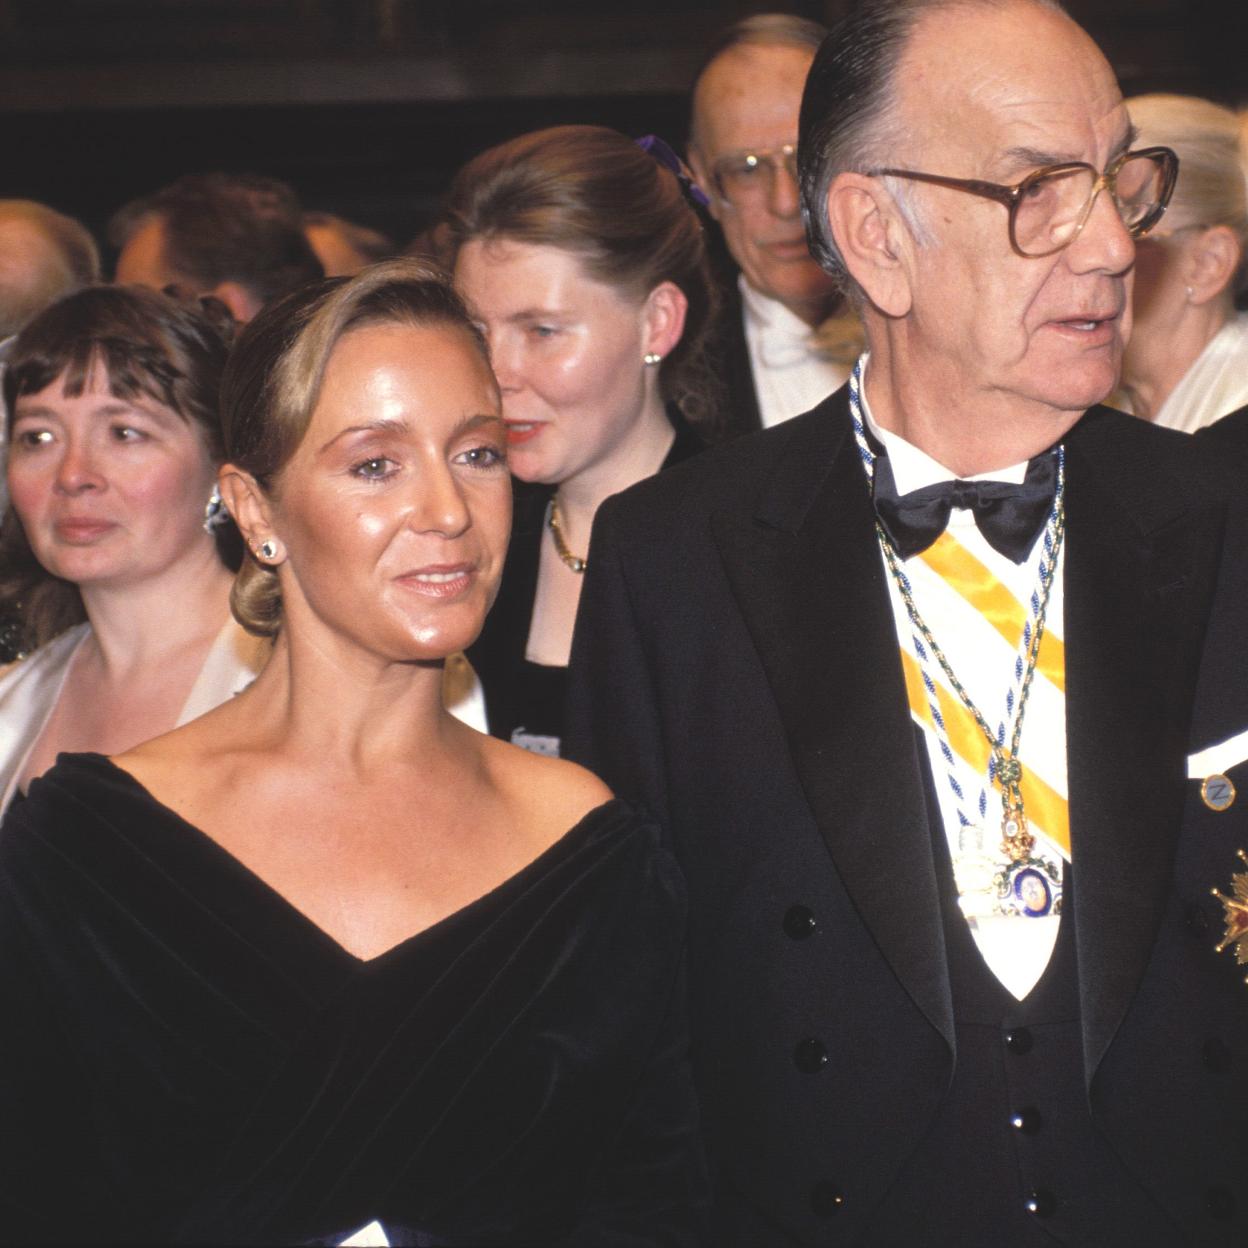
x,y
1016,949
794,366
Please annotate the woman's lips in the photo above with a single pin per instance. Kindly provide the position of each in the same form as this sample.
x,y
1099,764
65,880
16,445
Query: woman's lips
x,y
440,580
82,532
522,431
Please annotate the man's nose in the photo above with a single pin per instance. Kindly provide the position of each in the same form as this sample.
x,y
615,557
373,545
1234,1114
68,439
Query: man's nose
x,y
784,199
1104,243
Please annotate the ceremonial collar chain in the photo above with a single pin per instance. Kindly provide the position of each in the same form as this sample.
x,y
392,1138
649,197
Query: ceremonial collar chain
x,y
1005,769
575,562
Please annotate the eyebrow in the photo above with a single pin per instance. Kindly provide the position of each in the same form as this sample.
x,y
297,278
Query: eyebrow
x,y
476,422
385,425
536,314
1127,142
389,425
1024,157
25,411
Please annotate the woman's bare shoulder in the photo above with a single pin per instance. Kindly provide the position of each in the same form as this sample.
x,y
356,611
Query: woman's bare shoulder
x,y
553,794
187,759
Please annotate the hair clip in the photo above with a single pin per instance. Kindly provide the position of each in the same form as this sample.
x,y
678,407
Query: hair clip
x,y
661,152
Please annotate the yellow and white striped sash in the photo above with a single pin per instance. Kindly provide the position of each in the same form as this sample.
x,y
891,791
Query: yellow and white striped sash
x,y
972,581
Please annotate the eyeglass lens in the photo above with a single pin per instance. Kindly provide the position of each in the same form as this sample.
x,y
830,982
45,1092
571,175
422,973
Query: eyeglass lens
x,y
1053,207
750,175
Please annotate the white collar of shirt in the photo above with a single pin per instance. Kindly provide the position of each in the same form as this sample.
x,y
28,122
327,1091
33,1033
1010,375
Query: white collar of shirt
x,y
791,369
913,469
782,338
1215,385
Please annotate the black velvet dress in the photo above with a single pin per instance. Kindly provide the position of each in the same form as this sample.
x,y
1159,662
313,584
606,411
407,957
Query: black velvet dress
x,y
186,1058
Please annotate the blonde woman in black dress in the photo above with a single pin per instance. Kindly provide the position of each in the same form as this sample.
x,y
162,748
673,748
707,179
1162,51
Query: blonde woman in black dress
x,y
326,957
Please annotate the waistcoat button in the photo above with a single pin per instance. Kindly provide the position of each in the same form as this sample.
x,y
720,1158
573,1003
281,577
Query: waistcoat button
x,y
826,1199
1027,1121
799,922
810,1056
1019,1040
1041,1202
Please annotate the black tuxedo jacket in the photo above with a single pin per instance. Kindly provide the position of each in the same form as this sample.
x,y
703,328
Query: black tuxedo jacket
x,y
736,670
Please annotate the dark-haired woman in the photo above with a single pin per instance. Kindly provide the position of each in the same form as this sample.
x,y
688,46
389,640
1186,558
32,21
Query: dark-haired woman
x,y
105,557
583,259
326,964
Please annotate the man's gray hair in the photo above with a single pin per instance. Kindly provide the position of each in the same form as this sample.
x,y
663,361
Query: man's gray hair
x,y
849,119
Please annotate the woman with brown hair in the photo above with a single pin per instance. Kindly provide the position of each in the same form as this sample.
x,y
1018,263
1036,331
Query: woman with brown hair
x,y
326,957
117,581
584,261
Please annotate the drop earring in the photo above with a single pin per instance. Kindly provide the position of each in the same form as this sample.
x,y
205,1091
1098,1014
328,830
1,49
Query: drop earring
x,y
215,513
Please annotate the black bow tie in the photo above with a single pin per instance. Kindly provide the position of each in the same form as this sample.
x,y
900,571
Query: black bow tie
x,y
1009,516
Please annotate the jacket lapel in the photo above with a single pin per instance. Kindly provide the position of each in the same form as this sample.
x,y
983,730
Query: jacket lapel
x,y
1137,582
806,572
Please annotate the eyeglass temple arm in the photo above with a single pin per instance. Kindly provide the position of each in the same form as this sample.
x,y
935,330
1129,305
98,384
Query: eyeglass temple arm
x,y
988,190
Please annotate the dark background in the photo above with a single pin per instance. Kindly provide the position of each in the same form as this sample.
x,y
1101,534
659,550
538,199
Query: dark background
x,y
368,106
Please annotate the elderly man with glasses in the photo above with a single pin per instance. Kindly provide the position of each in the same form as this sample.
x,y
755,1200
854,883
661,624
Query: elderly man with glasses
x,y
910,681
785,338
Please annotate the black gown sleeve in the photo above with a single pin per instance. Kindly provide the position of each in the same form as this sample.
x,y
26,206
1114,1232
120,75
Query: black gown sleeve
x,y
53,1184
651,1191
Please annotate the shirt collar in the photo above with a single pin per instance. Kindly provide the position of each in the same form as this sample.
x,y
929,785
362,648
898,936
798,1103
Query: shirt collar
x,y
912,468
783,338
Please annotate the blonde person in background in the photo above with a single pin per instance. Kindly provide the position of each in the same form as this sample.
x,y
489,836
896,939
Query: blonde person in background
x,y
326,965
1186,364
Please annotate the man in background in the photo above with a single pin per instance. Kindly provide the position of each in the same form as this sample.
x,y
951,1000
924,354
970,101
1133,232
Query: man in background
x,y
784,341
44,255
237,237
345,247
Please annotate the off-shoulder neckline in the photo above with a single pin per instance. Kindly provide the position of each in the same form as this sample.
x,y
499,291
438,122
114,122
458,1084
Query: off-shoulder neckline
x,y
613,815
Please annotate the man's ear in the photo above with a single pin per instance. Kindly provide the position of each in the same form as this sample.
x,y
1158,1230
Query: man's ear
x,y
871,238
249,506
1211,262
663,319
243,305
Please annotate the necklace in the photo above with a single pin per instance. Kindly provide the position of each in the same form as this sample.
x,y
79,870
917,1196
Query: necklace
x,y
1005,768
575,562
